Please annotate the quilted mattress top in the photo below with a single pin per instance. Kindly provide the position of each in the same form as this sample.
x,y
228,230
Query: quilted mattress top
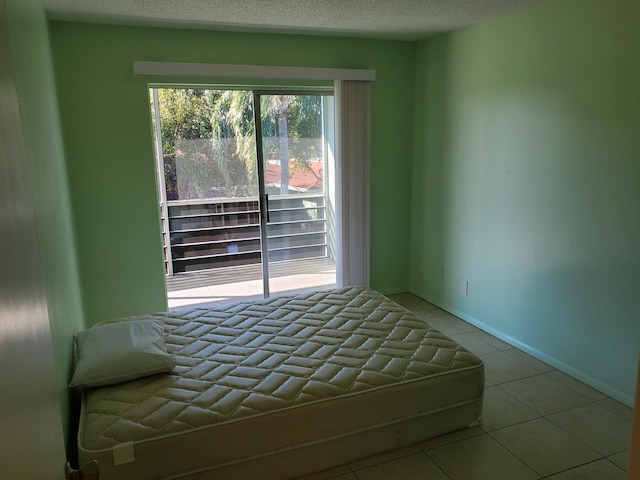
x,y
255,357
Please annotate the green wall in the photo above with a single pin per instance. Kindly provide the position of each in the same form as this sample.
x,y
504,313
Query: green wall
x,y
46,163
526,183
107,133
524,134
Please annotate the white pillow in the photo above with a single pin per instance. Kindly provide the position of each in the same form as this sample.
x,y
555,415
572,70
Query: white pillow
x,y
119,352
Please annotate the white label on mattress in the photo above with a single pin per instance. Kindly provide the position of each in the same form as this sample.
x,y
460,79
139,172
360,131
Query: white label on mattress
x,y
123,453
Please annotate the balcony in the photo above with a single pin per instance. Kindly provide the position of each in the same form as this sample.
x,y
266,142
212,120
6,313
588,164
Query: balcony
x,y
223,285
213,247
211,234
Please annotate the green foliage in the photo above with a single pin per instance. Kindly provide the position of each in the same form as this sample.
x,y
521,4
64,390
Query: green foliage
x,y
208,139
184,114
304,124
232,121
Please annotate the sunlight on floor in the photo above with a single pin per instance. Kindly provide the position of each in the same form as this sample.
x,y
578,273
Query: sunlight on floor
x,y
212,287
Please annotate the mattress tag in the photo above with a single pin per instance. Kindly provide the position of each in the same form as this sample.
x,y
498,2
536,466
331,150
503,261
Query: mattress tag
x,y
123,453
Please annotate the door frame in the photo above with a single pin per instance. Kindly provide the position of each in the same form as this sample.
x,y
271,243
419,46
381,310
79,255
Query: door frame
x,y
263,202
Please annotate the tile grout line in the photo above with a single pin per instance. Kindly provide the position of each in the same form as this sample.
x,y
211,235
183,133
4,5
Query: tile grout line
x,y
578,466
589,401
544,417
439,466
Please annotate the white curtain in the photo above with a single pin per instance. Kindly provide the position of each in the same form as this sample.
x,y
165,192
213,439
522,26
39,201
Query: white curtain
x,y
353,106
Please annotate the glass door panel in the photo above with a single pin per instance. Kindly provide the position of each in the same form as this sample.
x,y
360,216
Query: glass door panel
x,y
295,152
208,188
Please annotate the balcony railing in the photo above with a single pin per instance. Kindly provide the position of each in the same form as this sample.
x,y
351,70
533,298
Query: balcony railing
x,y
218,233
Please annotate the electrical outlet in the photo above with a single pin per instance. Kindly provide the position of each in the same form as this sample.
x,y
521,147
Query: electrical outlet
x,y
441,270
464,287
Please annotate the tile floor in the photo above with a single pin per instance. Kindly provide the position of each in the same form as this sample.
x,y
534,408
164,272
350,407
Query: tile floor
x,y
538,423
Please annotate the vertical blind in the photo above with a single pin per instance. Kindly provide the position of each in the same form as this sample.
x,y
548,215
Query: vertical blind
x,y
353,106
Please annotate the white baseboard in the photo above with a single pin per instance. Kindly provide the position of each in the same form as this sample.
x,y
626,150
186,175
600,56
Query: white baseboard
x,y
554,362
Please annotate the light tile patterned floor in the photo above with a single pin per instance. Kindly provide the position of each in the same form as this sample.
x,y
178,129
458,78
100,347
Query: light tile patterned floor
x,y
538,423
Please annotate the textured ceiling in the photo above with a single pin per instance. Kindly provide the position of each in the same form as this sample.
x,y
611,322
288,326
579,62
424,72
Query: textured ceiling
x,y
389,19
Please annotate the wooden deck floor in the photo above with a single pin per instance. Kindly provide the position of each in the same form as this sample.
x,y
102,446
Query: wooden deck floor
x,y
224,285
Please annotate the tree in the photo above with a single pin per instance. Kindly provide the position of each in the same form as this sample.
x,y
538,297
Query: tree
x,y
208,143
208,139
280,107
296,122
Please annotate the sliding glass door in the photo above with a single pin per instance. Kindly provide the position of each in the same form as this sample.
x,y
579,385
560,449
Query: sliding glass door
x,y
246,190
294,142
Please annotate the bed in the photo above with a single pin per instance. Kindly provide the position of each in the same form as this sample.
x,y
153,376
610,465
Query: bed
x,y
280,388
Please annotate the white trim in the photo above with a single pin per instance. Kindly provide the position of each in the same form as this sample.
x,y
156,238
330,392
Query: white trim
x,y
534,352
161,185
250,71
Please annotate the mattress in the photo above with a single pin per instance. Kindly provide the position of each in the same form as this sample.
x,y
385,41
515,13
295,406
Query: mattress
x,y
282,387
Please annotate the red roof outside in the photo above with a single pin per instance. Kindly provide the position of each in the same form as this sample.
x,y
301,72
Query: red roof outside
x,y
300,180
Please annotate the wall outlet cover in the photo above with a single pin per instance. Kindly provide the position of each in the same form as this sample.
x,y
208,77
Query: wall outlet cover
x,y
464,287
